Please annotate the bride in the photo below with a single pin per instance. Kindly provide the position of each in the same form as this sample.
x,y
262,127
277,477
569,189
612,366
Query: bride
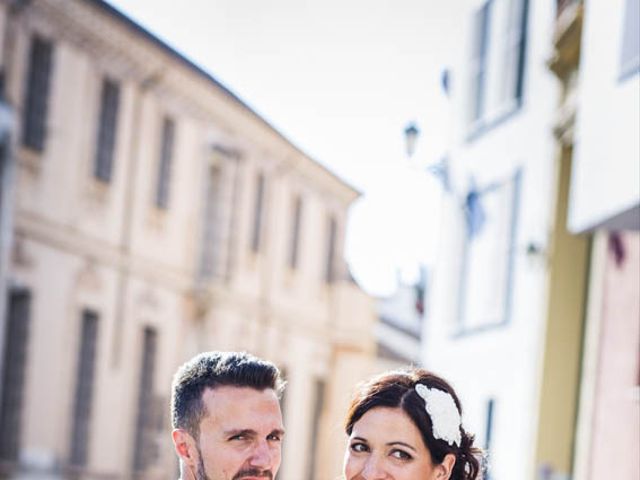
x,y
406,425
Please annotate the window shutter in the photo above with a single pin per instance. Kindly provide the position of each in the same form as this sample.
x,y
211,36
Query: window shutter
x,y
85,373
13,373
107,130
479,61
37,94
164,173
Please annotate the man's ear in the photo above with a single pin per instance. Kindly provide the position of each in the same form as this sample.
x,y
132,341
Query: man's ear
x,y
185,446
446,467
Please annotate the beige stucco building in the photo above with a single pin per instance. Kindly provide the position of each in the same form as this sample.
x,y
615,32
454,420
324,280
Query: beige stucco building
x,y
155,215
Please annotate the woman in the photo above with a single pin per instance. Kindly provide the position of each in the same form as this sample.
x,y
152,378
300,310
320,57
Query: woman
x,y
405,425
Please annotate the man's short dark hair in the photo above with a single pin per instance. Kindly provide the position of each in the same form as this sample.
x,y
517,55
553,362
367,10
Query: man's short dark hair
x,y
212,370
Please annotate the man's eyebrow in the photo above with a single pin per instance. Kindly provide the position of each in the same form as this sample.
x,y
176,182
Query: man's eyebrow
x,y
277,431
247,432
391,444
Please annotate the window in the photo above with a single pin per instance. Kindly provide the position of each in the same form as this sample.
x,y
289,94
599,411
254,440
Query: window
x,y
164,171
147,405
106,130
210,224
331,251
37,94
85,374
488,434
295,232
479,60
488,255
515,37
13,373
4,155
498,60
283,397
630,54
256,237
318,404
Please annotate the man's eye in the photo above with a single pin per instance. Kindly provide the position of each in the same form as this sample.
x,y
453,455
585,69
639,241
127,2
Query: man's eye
x,y
274,437
238,437
401,454
359,447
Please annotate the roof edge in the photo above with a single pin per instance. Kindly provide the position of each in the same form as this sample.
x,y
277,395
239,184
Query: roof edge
x,y
139,29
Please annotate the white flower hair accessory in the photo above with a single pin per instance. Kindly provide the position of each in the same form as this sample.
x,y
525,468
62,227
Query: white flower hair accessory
x,y
443,412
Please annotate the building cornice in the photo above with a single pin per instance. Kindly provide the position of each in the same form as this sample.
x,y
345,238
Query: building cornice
x,y
148,57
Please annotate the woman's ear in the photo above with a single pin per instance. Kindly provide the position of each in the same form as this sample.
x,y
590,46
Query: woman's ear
x,y
446,467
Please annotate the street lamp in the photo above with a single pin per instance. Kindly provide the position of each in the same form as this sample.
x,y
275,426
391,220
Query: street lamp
x,y
411,133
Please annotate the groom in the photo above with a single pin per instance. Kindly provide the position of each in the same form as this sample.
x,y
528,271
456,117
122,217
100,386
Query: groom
x,y
226,417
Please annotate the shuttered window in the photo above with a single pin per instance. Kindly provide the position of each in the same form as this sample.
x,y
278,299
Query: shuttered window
x,y
13,373
330,273
147,406
164,170
515,40
210,224
295,232
488,436
83,398
107,124
37,94
630,54
480,50
318,405
256,238
4,157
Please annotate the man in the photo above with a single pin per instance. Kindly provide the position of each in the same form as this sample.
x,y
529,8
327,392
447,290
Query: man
x,y
226,417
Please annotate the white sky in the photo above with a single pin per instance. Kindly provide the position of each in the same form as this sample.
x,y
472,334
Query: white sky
x,y
341,79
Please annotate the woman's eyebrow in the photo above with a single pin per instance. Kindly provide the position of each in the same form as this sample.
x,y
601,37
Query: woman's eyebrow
x,y
391,444
360,439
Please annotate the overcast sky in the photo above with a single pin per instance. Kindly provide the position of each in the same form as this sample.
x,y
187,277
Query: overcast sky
x,y
341,79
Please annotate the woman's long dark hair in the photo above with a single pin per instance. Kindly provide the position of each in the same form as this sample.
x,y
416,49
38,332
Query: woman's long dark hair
x,y
397,390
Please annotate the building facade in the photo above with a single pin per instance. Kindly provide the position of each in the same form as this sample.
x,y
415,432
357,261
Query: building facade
x,y
155,216
537,293
399,326
605,205
487,325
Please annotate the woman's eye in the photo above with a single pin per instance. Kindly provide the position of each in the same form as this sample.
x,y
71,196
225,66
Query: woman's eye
x,y
401,455
359,447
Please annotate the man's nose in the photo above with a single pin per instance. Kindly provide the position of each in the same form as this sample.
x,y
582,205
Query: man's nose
x,y
262,456
374,469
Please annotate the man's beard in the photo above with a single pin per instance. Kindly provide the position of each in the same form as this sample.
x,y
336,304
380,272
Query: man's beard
x,y
201,474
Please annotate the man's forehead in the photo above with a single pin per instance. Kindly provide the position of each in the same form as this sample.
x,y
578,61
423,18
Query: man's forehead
x,y
233,393
231,408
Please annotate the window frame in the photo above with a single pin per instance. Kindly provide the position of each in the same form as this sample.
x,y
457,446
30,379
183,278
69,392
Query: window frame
x,y
462,328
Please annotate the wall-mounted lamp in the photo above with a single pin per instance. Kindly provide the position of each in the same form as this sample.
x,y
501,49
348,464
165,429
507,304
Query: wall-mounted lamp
x,y
411,133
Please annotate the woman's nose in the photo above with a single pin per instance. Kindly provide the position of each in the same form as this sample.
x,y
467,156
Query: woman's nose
x,y
374,469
